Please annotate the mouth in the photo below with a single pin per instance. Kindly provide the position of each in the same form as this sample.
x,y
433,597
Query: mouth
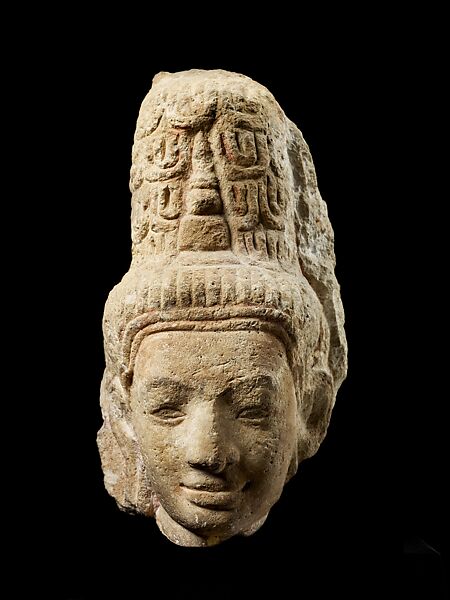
x,y
212,496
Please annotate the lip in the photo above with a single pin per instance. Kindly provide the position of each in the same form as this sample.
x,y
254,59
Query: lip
x,y
211,496
207,486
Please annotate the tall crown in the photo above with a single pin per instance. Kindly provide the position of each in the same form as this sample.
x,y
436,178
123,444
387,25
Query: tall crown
x,y
210,171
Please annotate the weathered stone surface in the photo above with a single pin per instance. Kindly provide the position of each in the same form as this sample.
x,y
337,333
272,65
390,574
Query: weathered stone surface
x,y
224,342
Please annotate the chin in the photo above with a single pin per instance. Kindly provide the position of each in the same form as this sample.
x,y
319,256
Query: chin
x,y
207,521
222,524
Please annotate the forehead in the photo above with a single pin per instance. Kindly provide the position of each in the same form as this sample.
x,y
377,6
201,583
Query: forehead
x,y
187,354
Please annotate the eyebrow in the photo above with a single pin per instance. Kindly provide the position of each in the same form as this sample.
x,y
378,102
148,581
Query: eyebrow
x,y
260,381
157,382
263,380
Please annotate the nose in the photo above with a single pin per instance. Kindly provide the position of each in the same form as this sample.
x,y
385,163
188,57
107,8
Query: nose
x,y
210,447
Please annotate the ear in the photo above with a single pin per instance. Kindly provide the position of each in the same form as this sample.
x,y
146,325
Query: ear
x,y
293,466
123,467
315,411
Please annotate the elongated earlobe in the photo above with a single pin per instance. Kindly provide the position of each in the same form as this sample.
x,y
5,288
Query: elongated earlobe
x,y
124,471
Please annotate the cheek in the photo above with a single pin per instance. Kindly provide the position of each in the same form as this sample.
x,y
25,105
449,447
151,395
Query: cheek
x,y
160,449
269,451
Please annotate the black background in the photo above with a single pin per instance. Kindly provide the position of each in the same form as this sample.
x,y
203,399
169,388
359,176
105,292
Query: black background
x,y
375,481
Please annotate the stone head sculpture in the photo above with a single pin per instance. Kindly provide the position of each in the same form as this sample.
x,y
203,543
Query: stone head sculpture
x,y
224,342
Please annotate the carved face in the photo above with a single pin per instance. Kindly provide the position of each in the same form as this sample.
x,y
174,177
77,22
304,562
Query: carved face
x,y
214,414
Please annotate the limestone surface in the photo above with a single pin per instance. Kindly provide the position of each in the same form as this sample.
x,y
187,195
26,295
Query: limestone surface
x,y
224,342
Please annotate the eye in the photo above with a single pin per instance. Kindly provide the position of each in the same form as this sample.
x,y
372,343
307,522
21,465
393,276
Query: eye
x,y
168,414
253,413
